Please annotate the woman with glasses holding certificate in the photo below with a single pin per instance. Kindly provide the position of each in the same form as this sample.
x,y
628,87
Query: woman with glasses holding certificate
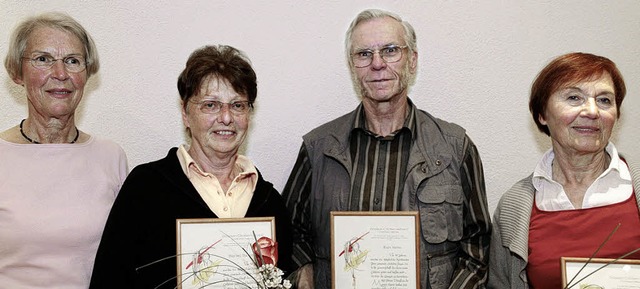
x,y
57,183
206,179
582,189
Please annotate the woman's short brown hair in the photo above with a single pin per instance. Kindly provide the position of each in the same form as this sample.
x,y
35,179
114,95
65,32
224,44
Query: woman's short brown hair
x,y
222,61
570,69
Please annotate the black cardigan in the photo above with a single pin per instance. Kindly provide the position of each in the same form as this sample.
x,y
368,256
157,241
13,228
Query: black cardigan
x,y
142,225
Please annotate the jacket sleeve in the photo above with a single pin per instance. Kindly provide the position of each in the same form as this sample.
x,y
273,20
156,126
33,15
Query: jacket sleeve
x,y
471,271
499,263
297,193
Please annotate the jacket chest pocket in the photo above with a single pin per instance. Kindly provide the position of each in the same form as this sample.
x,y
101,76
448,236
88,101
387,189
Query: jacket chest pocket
x,y
441,214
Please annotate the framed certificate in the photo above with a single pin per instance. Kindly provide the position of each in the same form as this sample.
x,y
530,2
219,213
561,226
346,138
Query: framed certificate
x,y
375,250
600,273
217,252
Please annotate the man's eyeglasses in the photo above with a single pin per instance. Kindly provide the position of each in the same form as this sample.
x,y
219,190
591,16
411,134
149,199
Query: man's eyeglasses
x,y
389,53
214,106
71,63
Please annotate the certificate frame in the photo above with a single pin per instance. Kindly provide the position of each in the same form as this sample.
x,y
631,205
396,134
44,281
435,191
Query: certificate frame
x,y
375,250
212,250
609,273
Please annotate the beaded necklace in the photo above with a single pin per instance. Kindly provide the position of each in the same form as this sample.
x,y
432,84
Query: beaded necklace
x,y
37,142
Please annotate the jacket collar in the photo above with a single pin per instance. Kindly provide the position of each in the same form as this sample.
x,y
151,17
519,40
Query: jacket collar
x,y
429,149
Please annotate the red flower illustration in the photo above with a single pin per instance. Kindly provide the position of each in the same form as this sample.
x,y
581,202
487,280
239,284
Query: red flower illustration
x,y
268,251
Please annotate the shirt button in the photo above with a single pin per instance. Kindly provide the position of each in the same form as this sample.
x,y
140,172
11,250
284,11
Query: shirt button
x,y
230,194
225,209
438,162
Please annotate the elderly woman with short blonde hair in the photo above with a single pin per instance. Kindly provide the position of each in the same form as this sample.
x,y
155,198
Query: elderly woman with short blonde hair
x,y
58,182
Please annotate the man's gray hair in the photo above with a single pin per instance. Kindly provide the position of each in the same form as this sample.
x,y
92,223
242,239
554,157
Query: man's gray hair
x,y
409,32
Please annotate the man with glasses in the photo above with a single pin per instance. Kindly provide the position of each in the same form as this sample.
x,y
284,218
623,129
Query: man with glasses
x,y
387,155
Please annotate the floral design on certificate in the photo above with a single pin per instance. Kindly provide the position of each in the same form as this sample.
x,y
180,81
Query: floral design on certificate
x,y
353,256
203,266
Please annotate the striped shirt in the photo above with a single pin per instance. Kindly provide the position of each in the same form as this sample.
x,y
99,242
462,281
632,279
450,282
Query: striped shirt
x,y
379,165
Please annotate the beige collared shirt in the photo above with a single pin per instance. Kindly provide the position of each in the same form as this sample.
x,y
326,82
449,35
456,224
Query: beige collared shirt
x,y
611,187
230,204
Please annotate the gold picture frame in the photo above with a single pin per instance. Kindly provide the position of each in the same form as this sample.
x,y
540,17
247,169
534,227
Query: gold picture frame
x,y
218,251
375,250
605,273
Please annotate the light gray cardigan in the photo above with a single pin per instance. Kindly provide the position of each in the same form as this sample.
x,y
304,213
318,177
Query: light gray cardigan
x,y
510,234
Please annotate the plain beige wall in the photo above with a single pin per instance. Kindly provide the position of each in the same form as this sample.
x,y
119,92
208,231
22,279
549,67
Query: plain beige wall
x,y
477,60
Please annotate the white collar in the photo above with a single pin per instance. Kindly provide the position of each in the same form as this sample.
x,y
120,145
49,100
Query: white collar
x,y
612,186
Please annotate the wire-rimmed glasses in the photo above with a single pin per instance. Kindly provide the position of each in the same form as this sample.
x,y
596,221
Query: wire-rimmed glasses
x,y
214,106
72,63
390,53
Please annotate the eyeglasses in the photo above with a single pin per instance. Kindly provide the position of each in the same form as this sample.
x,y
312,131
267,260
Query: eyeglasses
x,y
389,53
72,63
214,106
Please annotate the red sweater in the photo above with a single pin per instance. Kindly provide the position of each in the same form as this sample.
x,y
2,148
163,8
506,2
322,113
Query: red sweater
x,y
578,233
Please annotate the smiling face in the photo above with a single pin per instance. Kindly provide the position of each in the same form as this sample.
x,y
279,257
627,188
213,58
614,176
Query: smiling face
x,y
580,117
219,134
52,92
381,81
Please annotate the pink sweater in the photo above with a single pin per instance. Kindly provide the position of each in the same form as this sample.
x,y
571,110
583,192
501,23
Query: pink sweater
x,y
54,201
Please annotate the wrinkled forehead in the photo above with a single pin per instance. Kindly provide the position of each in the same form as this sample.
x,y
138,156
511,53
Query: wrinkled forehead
x,y
214,85
376,33
44,38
